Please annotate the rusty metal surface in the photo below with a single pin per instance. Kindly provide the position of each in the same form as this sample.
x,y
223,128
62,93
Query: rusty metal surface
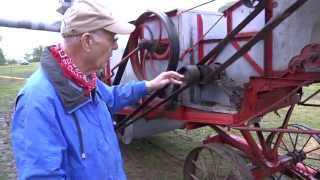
x,y
215,162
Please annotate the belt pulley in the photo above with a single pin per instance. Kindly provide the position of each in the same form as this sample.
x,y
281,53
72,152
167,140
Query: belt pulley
x,y
151,48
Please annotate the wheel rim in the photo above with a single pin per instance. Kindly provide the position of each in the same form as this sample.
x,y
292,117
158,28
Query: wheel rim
x,y
215,162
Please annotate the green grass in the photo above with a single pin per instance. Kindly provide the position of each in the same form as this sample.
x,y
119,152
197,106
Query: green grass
x,y
3,177
10,87
17,70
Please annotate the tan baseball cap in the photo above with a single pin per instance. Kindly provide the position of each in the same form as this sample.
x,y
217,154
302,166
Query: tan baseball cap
x,y
89,15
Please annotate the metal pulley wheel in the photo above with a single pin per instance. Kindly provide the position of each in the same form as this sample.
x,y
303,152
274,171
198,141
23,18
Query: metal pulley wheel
x,y
252,3
214,162
158,50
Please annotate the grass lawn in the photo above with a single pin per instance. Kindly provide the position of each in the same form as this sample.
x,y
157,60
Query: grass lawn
x,y
10,87
17,70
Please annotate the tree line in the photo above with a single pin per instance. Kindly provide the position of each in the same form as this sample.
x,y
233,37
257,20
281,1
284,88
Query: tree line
x,y
33,56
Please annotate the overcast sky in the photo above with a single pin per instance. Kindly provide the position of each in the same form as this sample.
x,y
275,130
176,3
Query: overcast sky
x,y
16,42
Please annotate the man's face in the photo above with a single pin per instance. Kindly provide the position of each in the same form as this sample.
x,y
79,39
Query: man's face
x,y
103,44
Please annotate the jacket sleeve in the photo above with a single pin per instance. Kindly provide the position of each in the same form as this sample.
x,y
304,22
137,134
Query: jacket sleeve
x,y
117,97
37,140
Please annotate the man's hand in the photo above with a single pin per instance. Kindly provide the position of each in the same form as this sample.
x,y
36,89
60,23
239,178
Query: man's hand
x,y
163,79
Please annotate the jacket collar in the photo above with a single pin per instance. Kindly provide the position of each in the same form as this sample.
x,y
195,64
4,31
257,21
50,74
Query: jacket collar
x,y
71,95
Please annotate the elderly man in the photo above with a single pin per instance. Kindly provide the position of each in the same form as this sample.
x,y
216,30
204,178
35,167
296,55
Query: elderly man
x,y
62,126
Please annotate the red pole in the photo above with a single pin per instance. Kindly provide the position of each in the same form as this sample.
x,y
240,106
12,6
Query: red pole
x,y
200,37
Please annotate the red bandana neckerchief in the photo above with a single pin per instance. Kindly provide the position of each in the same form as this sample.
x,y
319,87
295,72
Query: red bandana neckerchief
x,y
71,71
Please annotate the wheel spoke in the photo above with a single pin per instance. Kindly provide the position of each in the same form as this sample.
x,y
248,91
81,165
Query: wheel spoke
x,y
291,140
315,159
296,141
216,167
197,165
305,144
204,164
318,148
284,144
281,147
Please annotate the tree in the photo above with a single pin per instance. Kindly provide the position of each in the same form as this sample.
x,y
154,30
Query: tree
x,y
12,61
35,55
27,57
2,58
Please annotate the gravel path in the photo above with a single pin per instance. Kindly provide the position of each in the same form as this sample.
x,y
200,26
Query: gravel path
x,y
7,169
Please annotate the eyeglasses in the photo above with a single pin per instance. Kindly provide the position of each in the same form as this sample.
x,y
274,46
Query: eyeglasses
x,y
111,37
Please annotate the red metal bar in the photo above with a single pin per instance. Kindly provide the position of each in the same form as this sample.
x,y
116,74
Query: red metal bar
x,y
245,35
284,126
235,44
254,106
249,59
242,35
232,140
229,21
235,6
262,141
239,37
313,77
267,94
188,115
124,60
258,157
207,41
311,132
200,37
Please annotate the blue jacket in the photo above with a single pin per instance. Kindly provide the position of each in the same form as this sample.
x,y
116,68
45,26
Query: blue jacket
x,y
58,133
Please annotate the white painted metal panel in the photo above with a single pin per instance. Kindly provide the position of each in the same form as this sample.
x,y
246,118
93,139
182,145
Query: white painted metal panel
x,y
300,29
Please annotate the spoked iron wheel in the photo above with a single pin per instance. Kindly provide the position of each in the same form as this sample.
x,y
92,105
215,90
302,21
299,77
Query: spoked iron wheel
x,y
161,52
304,149
215,162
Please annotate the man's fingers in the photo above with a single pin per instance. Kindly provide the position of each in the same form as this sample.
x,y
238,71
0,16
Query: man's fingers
x,y
173,74
163,79
174,81
176,74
